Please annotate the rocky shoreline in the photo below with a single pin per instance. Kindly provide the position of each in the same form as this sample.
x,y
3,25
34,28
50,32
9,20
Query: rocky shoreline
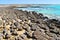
x,y
22,25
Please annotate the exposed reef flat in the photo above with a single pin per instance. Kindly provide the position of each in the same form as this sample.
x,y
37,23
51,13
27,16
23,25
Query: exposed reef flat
x,y
22,25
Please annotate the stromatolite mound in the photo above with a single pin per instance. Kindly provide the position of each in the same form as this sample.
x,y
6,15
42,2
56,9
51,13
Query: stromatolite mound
x,y
22,25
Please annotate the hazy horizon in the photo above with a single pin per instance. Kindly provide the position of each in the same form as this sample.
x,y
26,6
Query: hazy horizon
x,y
29,1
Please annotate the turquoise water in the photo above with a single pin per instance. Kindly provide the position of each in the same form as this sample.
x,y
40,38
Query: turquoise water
x,y
52,11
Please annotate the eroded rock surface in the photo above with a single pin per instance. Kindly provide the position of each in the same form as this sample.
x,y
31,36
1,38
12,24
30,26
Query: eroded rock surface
x,y
22,25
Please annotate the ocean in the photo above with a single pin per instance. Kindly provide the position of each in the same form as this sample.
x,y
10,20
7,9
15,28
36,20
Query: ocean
x,y
51,10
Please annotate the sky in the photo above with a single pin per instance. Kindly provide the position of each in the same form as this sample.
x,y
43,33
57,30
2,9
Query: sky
x,y
29,1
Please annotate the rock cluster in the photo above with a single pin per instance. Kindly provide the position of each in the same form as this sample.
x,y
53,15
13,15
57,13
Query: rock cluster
x,y
22,25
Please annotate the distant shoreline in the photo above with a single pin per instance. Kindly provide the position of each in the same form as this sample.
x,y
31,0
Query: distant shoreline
x,y
24,5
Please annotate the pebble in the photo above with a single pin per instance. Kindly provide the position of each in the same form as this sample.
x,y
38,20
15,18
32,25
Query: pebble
x,y
29,34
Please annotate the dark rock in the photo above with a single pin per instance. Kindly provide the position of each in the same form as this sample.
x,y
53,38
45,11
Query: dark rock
x,y
29,34
40,14
23,18
16,23
19,28
56,31
7,36
39,27
34,27
30,14
13,26
12,30
52,26
26,27
4,31
15,33
18,38
39,20
52,20
40,36
32,20
51,34
36,15
43,26
23,36
45,18
58,24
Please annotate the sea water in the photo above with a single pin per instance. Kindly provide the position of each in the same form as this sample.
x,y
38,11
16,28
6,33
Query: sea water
x,y
51,11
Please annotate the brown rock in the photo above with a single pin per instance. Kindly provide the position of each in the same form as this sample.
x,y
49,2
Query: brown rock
x,y
40,36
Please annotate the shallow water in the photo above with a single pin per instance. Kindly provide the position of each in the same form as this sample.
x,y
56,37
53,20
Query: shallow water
x,y
52,11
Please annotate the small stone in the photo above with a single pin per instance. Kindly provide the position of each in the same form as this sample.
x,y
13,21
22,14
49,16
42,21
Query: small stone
x,y
56,31
15,33
7,36
45,18
19,28
21,32
19,20
16,23
29,34
40,14
7,27
52,26
35,27
18,38
12,30
12,26
36,15
29,21
4,31
23,36
26,27
50,34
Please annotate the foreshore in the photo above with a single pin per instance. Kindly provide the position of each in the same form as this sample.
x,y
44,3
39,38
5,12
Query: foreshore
x,y
23,25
